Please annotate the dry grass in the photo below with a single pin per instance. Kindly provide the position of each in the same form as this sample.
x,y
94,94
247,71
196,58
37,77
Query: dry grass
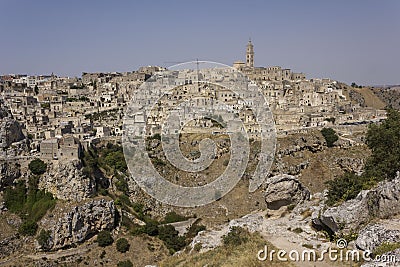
x,y
244,255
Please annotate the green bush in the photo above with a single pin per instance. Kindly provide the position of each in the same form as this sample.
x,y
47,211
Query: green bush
x,y
122,245
30,203
384,141
151,228
104,238
43,239
344,187
330,136
126,263
28,228
37,166
15,198
236,236
172,240
172,217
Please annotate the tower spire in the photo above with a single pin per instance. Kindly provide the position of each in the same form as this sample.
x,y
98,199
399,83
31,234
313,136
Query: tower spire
x,y
250,55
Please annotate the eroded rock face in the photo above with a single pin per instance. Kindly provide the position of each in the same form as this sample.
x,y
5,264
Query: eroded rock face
x,y
10,129
381,202
65,180
82,222
372,236
392,258
9,171
283,190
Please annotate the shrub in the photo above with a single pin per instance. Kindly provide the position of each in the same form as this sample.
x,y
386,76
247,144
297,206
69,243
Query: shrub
x,y
122,245
32,203
330,136
28,228
344,187
104,238
37,166
298,230
126,263
384,141
172,217
384,162
15,198
43,239
172,240
236,236
151,227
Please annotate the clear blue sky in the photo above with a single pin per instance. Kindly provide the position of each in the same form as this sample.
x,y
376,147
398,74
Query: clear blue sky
x,y
342,39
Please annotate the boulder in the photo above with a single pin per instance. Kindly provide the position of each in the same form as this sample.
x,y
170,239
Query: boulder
x,y
65,180
391,258
10,129
283,190
380,202
372,236
81,223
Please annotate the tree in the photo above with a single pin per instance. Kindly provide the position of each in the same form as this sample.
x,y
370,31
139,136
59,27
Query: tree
x,y
330,136
171,239
384,141
37,166
123,245
104,239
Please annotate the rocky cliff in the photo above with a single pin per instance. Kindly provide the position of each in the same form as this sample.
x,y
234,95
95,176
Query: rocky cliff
x,y
9,171
380,202
10,129
80,223
65,180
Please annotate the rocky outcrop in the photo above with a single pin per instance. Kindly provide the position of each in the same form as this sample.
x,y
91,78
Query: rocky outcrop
x,y
351,164
9,171
389,259
211,239
312,142
372,236
65,180
81,223
10,129
9,246
381,202
283,190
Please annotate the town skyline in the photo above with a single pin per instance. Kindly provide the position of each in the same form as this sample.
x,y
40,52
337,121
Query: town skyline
x,y
349,42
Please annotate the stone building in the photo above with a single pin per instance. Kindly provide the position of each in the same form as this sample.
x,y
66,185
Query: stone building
x,y
64,148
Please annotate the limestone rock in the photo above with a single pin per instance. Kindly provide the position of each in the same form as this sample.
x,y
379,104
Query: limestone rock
x,y
372,236
9,171
380,202
10,129
392,258
283,190
65,180
82,222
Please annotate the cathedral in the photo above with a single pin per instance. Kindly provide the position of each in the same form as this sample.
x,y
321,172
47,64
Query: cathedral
x,y
260,74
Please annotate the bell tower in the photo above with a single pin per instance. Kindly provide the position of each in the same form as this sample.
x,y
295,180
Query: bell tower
x,y
250,55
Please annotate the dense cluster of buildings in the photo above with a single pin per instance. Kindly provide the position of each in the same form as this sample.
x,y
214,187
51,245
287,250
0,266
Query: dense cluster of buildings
x,y
62,115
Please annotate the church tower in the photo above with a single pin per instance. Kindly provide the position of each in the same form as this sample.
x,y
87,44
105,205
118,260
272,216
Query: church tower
x,y
250,55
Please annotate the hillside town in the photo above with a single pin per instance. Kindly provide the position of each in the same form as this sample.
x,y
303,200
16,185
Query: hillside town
x,y
63,115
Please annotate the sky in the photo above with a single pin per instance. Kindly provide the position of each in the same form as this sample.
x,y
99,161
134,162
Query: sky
x,y
350,41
